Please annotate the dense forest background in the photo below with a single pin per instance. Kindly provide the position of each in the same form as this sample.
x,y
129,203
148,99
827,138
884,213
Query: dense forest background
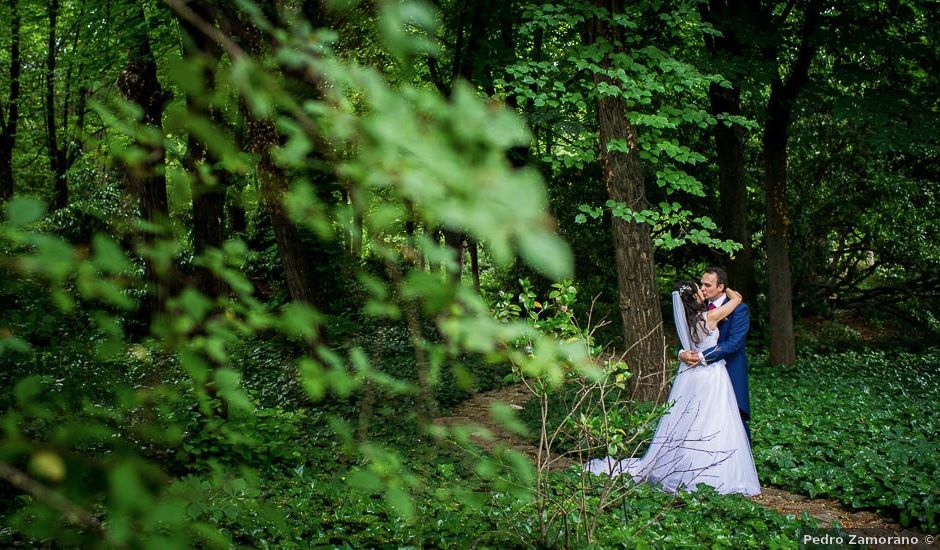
x,y
251,251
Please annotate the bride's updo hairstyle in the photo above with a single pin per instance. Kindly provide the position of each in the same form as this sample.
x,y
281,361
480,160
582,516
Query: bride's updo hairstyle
x,y
687,292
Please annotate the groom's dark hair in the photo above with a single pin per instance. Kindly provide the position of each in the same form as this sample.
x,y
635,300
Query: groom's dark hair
x,y
720,275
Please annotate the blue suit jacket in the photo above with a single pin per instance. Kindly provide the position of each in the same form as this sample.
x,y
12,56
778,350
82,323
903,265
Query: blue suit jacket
x,y
732,334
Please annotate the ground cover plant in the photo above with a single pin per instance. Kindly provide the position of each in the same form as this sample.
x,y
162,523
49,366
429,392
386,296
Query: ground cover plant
x,y
279,477
860,427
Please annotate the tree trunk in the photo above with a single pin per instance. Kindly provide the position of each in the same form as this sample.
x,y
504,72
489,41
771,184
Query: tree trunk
x,y
779,296
273,182
357,227
776,134
411,257
725,52
633,247
263,136
475,265
138,83
454,241
208,191
10,120
208,231
56,156
466,65
729,143
238,218
6,169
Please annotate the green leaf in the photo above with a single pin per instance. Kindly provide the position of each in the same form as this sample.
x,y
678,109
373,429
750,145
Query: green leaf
x,y
228,383
30,388
24,211
126,488
365,480
300,320
506,416
109,257
313,378
546,252
399,501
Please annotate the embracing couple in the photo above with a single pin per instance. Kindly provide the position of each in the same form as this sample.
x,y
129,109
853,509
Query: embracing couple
x,y
704,437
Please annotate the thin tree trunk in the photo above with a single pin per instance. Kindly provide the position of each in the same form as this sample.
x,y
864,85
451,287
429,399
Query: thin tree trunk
x,y
71,153
208,191
6,169
411,257
633,247
238,218
475,265
10,120
454,241
725,15
783,96
729,143
273,182
357,228
465,61
782,345
56,161
139,84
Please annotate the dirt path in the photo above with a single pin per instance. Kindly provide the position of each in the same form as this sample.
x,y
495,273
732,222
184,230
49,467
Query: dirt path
x,y
476,411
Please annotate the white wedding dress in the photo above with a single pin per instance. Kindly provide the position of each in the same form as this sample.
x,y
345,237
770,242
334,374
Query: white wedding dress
x,y
701,439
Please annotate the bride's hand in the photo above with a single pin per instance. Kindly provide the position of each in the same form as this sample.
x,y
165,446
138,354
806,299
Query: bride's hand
x,y
734,295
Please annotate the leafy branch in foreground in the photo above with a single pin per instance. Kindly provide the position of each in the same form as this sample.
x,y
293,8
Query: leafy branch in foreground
x,y
395,147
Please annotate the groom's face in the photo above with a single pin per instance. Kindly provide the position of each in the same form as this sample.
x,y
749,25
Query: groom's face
x,y
710,287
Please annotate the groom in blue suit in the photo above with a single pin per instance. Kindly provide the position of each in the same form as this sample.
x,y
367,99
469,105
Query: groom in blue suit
x,y
731,338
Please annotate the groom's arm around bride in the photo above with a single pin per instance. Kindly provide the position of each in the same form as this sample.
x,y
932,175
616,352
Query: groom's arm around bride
x,y
736,327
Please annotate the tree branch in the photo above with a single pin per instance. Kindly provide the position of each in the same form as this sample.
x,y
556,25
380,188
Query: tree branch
x,y
799,73
785,14
70,511
436,77
231,48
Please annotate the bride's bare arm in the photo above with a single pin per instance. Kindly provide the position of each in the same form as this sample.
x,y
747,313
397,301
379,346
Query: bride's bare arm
x,y
716,315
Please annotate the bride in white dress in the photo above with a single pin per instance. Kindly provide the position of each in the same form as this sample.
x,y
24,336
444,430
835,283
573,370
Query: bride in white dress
x,y
701,439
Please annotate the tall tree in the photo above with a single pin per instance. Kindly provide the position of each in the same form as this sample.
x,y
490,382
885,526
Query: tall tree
x,y
727,51
138,83
60,144
624,179
869,105
56,154
783,95
208,185
262,138
10,113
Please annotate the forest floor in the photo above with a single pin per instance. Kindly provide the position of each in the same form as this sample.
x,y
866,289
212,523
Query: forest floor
x,y
476,411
